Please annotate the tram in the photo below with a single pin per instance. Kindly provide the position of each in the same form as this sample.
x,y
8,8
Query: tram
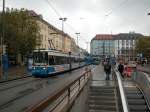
x,y
49,62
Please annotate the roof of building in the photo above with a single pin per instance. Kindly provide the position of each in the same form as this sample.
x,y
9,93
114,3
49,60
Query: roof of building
x,y
127,36
40,18
120,36
103,37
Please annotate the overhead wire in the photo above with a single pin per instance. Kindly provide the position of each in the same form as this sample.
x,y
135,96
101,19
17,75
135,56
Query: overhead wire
x,y
118,6
59,15
53,8
71,27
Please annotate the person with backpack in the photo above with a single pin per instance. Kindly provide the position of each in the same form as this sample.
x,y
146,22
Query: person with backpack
x,y
121,69
107,69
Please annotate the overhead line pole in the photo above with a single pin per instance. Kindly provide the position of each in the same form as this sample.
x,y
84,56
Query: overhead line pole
x,y
63,38
77,38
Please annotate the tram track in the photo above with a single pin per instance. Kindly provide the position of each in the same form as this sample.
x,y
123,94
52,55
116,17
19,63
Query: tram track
x,y
10,80
20,90
20,94
17,85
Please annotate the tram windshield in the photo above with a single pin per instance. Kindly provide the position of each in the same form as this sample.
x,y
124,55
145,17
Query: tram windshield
x,y
40,58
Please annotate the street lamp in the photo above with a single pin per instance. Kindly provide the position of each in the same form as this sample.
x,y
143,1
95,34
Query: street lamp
x,y
103,47
63,39
77,37
63,20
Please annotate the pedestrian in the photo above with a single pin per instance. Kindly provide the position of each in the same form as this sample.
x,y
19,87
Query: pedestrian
x,y
107,69
143,62
121,68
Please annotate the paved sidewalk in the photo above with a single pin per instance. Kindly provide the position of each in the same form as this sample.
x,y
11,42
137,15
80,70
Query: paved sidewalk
x,y
99,74
98,77
15,72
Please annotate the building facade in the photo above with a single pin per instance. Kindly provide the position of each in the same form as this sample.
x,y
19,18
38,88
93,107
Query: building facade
x,y
67,43
125,45
53,38
102,45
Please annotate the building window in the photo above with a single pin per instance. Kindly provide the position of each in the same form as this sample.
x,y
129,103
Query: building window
x,y
123,42
131,42
127,42
41,37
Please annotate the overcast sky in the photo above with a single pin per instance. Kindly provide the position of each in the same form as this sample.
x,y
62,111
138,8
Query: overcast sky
x,y
91,17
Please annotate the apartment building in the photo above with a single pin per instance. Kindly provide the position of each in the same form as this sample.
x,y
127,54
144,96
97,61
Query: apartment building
x,y
102,45
67,43
125,45
51,37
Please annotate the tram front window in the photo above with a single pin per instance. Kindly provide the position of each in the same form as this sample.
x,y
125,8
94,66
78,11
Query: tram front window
x,y
40,58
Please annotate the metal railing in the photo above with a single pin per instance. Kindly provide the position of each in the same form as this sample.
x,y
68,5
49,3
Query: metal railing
x,y
122,100
62,100
143,81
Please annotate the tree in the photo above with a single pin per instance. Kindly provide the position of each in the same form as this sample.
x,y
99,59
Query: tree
x,y
143,46
21,31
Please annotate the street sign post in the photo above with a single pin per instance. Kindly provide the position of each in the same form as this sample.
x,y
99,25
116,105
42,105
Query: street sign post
x,y
5,65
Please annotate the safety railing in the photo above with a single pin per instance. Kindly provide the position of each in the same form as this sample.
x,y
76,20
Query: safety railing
x,y
143,80
122,100
62,100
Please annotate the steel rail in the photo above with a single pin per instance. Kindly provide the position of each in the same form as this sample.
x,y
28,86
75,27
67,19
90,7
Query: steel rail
x,y
40,106
25,76
23,94
20,84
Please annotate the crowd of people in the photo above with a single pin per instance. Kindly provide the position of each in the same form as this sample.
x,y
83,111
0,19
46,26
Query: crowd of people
x,y
124,68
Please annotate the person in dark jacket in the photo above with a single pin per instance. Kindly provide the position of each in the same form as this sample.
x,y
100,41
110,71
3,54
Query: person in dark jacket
x,y
121,69
107,69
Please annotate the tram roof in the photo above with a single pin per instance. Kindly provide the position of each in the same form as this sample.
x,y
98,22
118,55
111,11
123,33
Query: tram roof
x,y
58,53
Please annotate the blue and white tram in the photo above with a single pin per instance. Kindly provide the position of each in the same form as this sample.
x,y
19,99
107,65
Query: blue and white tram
x,y
48,62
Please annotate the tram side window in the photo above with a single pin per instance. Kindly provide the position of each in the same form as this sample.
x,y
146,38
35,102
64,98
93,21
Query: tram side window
x,y
66,60
72,60
61,60
57,60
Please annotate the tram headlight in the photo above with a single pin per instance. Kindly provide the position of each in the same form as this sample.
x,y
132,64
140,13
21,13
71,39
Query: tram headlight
x,y
44,68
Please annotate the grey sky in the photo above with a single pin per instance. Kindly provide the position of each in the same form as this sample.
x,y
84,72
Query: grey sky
x,y
91,17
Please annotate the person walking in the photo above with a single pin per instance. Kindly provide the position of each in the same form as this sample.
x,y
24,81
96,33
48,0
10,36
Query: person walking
x,y
121,69
107,69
